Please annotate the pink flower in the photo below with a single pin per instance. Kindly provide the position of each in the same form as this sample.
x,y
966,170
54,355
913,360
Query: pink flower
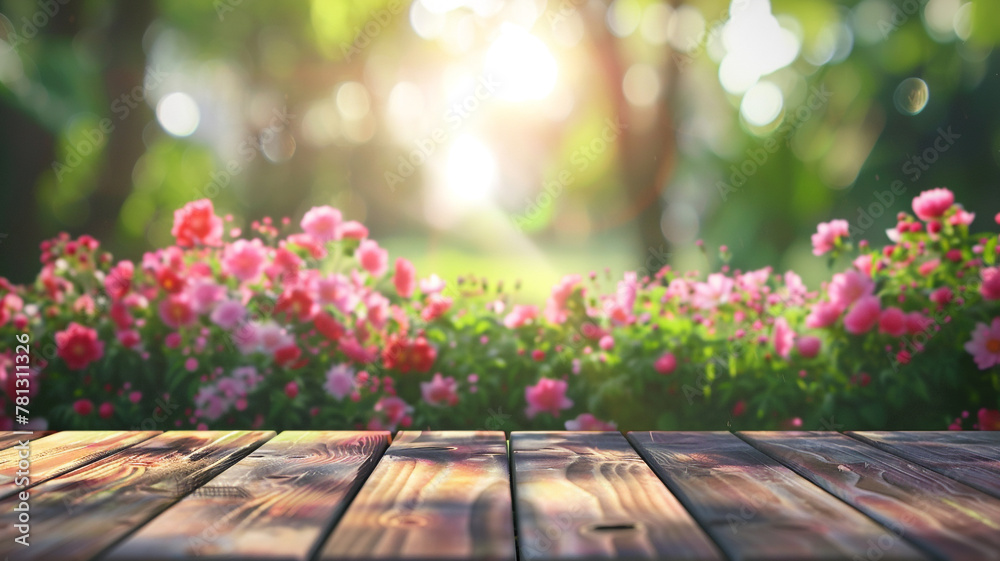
x,y
228,314
828,234
83,407
556,310
942,296
783,337
435,306
322,223
394,408
176,311
808,346
78,346
863,263
847,287
863,315
354,230
405,278
205,294
440,391
933,203
962,217
339,381
519,316
119,280
606,343
197,224
991,283
985,344
191,364
129,338
431,285
106,410
244,259
292,389
373,258
715,291
824,314
588,422
666,364
892,321
548,396
917,323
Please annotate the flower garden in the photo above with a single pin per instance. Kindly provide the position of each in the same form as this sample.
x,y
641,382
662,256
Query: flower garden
x,y
299,324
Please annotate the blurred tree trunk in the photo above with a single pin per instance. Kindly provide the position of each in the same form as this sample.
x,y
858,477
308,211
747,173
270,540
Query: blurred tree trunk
x,y
647,155
124,71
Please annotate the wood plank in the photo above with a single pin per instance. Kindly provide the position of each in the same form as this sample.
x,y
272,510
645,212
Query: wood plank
x,y
11,438
276,503
586,495
938,514
77,515
756,508
433,496
63,452
972,457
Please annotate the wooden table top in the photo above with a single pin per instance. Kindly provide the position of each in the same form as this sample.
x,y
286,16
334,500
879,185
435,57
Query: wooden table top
x,y
534,496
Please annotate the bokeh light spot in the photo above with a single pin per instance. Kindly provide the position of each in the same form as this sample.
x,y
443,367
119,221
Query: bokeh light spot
x,y
178,114
911,96
762,104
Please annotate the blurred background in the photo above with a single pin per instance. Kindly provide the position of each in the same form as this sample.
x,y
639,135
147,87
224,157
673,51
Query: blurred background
x,y
517,139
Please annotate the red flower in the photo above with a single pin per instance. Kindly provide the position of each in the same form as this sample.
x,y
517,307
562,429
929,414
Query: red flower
x,y
197,224
83,407
328,326
436,306
119,280
295,302
78,346
404,355
169,280
287,355
176,311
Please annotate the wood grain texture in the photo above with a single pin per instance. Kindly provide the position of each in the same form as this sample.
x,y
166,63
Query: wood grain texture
x,y
77,515
756,508
63,452
586,495
9,438
433,496
946,518
972,457
276,503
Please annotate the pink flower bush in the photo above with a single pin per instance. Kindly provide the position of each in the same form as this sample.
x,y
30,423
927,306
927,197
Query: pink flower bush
x,y
828,235
305,325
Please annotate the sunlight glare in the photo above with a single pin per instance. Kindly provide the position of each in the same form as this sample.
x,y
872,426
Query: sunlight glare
x,y
756,45
471,171
522,64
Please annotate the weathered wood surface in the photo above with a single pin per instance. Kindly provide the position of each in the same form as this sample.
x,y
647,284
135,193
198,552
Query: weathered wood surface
x,y
63,452
946,518
586,495
972,457
433,496
9,438
756,508
276,503
79,514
